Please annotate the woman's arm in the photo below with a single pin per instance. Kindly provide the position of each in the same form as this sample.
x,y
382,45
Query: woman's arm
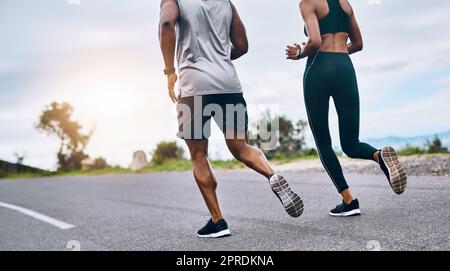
x,y
356,41
308,12
238,36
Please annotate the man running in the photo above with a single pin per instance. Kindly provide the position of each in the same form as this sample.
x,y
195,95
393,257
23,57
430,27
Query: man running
x,y
210,34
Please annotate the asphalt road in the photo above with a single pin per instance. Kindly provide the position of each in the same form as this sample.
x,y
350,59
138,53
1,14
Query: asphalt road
x,y
163,212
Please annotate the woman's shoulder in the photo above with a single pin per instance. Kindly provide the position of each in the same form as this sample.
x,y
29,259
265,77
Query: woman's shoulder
x,y
307,4
347,7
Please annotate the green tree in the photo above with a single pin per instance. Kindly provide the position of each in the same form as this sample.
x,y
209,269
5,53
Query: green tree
x,y
292,136
166,151
291,141
435,146
57,119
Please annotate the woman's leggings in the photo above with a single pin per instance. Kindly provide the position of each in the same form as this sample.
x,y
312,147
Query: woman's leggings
x,y
332,75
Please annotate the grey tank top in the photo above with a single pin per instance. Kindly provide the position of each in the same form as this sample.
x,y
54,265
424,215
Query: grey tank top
x,y
204,48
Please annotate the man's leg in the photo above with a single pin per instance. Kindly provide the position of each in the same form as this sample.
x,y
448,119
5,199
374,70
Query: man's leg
x,y
204,176
234,124
255,159
252,157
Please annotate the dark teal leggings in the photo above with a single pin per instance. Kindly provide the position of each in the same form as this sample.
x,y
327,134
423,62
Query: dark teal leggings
x,y
332,75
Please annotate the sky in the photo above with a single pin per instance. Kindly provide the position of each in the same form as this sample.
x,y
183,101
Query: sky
x,y
103,57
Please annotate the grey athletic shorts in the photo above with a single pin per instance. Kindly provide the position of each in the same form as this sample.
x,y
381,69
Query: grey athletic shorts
x,y
228,110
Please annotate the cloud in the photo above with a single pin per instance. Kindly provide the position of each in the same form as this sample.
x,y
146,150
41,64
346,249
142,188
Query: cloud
x,y
443,81
415,118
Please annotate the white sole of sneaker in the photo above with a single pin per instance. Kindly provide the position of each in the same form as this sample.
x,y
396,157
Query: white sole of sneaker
x,y
216,235
291,202
349,213
397,174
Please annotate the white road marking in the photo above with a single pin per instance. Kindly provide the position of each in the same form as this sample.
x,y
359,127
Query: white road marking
x,y
57,223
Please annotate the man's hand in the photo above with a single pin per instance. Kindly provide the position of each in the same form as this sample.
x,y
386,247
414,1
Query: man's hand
x,y
171,80
293,51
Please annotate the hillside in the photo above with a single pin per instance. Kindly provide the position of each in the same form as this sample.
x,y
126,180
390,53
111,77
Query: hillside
x,y
419,141
12,168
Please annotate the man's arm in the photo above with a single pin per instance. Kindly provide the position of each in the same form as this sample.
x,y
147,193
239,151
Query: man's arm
x,y
167,38
238,36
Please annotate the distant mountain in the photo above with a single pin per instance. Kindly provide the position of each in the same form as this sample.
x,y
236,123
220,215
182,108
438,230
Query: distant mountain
x,y
8,168
400,142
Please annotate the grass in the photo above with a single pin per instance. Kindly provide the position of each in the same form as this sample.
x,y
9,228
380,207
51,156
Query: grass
x,y
171,165
186,165
289,159
168,166
229,164
179,165
26,175
411,150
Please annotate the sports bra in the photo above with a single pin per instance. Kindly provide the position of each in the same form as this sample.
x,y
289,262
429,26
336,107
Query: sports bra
x,y
336,21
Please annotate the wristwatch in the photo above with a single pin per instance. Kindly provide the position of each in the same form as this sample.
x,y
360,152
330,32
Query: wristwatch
x,y
169,71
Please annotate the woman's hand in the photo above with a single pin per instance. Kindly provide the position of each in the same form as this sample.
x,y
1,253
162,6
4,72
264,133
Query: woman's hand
x,y
293,51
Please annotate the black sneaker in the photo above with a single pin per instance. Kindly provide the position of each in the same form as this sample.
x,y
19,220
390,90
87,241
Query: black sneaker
x,y
344,209
292,202
395,173
211,230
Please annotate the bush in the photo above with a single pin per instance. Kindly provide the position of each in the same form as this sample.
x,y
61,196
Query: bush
x,y
73,161
100,163
310,152
431,147
411,150
435,146
167,151
97,164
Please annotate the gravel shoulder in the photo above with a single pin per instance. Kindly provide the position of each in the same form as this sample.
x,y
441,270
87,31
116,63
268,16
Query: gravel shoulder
x,y
423,165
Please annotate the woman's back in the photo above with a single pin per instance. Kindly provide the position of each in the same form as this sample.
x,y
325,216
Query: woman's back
x,y
334,23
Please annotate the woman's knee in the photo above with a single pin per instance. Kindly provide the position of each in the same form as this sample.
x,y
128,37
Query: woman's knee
x,y
350,150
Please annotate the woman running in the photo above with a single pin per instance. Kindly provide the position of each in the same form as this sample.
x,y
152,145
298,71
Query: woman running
x,y
330,73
